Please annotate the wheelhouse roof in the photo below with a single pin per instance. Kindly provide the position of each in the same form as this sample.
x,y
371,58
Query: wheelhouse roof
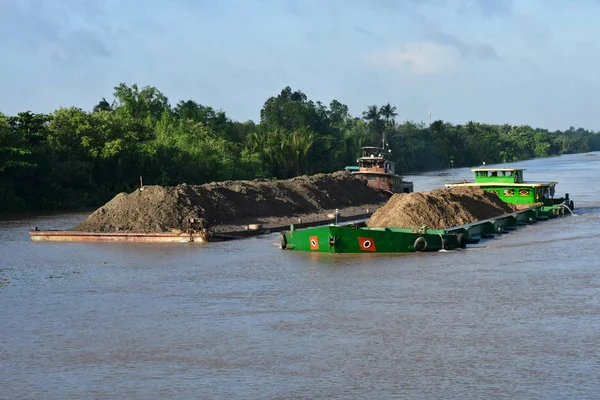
x,y
498,169
377,158
502,185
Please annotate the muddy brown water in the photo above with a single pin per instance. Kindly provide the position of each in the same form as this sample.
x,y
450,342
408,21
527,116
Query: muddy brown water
x,y
512,317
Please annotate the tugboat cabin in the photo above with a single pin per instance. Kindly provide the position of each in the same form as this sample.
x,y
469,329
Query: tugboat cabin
x,y
379,172
508,183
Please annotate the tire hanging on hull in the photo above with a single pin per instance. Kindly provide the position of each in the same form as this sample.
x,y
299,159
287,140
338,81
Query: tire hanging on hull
x,y
420,244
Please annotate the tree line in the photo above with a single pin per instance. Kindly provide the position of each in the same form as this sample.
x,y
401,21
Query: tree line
x,y
75,158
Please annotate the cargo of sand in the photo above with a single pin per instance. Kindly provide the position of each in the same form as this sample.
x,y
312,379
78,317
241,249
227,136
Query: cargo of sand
x,y
439,208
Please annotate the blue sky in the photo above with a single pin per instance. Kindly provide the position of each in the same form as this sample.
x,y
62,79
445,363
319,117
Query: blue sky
x,y
530,62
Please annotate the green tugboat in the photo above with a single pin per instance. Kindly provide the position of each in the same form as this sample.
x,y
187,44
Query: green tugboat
x,y
509,185
534,199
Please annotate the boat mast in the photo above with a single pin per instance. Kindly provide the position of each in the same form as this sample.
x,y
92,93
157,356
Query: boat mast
x,y
383,143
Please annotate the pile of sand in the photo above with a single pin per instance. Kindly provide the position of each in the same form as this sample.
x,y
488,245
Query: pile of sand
x,y
160,209
439,209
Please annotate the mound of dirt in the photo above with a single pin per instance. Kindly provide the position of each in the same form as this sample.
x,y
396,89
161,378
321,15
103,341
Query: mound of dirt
x,y
160,209
439,209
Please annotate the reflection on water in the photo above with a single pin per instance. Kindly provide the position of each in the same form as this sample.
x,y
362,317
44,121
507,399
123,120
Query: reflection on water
x,y
512,317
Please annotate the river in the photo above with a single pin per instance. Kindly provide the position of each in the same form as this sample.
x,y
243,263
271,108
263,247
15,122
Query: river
x,y
515,317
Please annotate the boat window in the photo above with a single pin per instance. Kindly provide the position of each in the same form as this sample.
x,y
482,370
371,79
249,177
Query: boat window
x,y
372,178
509,192
517,176
523,192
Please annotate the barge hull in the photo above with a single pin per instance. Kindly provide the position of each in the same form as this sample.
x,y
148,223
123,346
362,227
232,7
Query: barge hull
x,y
67,236
345,239
356,239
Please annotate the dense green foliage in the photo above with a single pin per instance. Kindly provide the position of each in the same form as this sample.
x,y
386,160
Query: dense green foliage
x,y
73,158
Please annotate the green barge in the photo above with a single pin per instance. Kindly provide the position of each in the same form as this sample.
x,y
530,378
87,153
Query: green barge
x,y
357,239
538,205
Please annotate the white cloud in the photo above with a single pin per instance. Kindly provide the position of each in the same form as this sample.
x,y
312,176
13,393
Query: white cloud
x,y
423,58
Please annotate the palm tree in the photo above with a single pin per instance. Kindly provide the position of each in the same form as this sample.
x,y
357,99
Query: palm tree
x,y
353,142
297,144
255,142
388,112
471,128
373,116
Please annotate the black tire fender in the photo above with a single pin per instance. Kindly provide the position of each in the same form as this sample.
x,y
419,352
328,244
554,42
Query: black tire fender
x,y
461,240
420,244
283,241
